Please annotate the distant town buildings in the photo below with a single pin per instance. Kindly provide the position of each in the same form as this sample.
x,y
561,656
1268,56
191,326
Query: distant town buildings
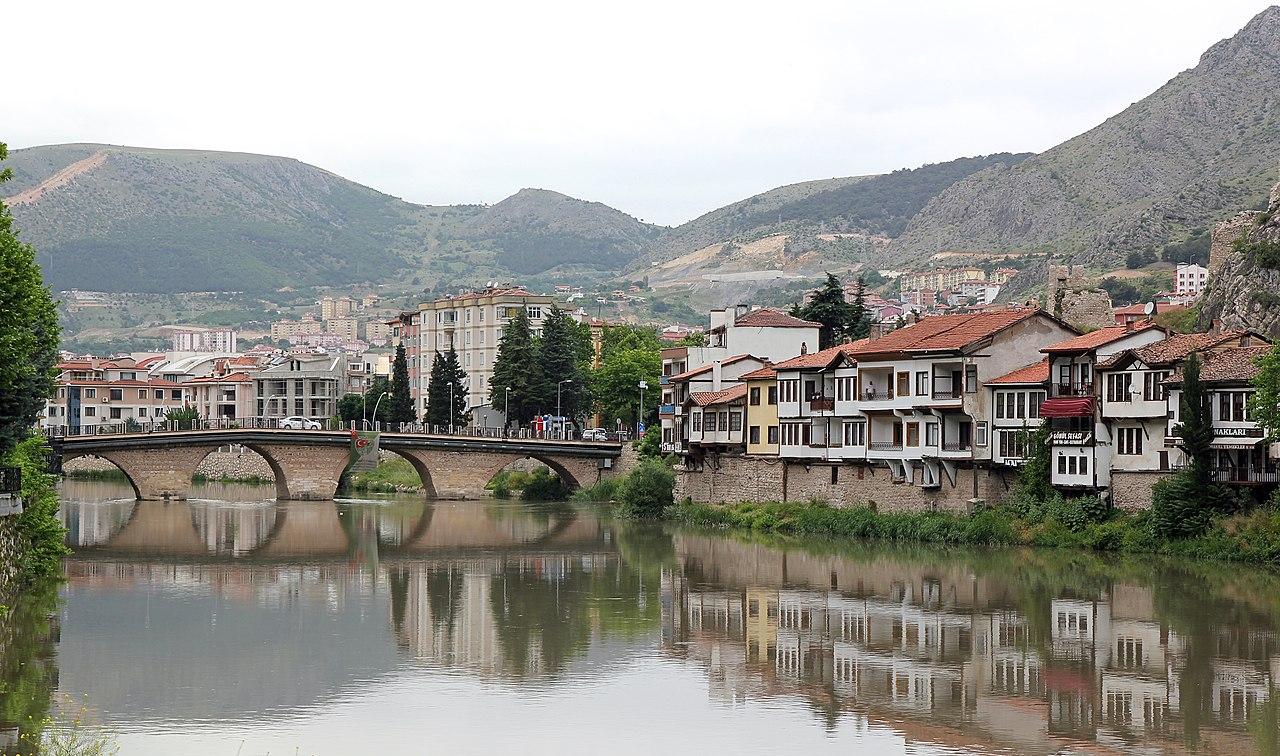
x,y
198,339
1189,280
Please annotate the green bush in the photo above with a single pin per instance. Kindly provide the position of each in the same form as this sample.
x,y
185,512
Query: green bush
x,y
40,532
648,491
602,492
544,485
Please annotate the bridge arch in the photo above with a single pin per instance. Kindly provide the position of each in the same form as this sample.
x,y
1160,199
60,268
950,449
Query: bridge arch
x,y
137,493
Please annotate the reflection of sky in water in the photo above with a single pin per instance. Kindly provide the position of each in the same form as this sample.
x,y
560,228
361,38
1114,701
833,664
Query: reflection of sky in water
x,y
390,625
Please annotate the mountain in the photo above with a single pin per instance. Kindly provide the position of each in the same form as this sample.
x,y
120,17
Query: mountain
x,y
146,220
1194,151
536,229
878,206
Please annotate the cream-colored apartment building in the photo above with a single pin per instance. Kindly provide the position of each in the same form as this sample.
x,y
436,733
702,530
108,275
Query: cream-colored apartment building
x,y
473,324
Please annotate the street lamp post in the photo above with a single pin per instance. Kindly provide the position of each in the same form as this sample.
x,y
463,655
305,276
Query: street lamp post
x,y
559,418
375,405
640,414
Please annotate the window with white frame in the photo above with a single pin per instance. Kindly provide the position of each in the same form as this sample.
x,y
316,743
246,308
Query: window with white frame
x,y
789,390
1129,441
931,434
855,433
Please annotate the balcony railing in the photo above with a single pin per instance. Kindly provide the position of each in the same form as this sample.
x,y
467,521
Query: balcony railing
x,y
822,404
947,393
1245,475
1072,389
885,446
957,446
877,396
10,480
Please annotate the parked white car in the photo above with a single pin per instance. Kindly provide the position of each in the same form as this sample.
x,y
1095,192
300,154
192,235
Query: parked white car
x,y
595,434
297,422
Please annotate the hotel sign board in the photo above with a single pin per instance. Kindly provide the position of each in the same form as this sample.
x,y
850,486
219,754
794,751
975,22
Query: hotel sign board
x,y
1071,438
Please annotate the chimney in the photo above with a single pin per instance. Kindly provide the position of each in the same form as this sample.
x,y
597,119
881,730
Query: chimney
x,y
717,375
740,311
1128,324
1216,327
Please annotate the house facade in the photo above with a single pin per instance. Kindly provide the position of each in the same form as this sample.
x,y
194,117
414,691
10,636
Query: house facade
x,y
300,386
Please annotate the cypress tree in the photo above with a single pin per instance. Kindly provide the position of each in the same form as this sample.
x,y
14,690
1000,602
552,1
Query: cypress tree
x,y
1181,504
516,368
829,308
561,357
447,384
401,399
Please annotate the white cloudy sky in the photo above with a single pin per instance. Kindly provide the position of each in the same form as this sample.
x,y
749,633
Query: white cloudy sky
x,y
663,109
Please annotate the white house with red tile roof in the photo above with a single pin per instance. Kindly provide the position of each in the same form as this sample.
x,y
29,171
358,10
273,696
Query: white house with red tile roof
x,y
1016,397
679,389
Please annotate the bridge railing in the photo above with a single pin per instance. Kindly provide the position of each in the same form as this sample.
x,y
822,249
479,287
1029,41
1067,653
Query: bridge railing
x,y
134,427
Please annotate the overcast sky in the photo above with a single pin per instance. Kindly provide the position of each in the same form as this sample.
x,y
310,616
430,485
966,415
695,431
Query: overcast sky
x,y
663,109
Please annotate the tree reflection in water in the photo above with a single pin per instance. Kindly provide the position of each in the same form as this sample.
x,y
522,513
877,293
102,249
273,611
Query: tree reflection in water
x,y
28,666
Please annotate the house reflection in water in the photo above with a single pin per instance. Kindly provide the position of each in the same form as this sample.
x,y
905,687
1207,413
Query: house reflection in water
x,y
950,657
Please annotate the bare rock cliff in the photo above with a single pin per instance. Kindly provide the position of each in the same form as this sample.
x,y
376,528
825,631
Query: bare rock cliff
x,y
1244,286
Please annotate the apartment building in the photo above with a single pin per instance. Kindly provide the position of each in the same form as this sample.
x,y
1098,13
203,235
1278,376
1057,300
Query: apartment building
x,y
336,307
1080,442
284,330
228,396
92,392
346,329
197,339
404,332
1241,457
305,386
708,389
473,323
377,331
1190,279
944,279
816,414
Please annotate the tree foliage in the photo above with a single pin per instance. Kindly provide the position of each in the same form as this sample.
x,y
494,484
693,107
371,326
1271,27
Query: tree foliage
x,y
446,391
631,359
648,490
838,317
1265,403
28,332
561,357
516,370
401,400
1183,503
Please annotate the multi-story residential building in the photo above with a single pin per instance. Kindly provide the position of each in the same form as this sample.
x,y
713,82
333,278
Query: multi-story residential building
x,y
1080,442
712,382
336,307
766,333
377,331
920,388
228,396
716,420
816,414
282,330
945,279
1241,456
197,339
1189,279
346,329
404,332
473,323
305,386
1134,401
1015,400
762,412
93,392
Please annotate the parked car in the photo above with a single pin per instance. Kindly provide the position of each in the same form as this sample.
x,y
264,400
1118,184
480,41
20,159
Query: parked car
x,y
595,434
297,422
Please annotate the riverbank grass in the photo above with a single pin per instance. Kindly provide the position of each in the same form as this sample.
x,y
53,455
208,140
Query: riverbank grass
x,y
1252,537
394,475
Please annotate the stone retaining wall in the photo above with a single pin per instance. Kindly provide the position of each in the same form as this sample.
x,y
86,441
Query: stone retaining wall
x,y
733,479
1131,489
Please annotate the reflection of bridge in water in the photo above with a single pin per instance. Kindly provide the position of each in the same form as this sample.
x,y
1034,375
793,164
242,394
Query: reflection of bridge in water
x,y
268,531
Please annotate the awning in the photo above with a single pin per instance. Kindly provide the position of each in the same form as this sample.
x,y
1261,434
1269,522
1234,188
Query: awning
x,y
1067,406
1235,443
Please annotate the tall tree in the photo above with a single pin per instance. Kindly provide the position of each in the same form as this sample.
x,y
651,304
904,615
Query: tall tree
x,y
401,399
562,361
447,391
1182,503
829,307
28,332
861,326
617,385
373,409
1265,403
517,383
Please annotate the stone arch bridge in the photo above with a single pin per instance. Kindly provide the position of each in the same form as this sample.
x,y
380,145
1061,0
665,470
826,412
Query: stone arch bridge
x,y
308,464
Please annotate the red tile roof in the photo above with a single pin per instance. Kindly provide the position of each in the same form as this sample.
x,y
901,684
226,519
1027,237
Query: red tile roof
x,y
707,398
947,332
1101,337
771,317
1037,372
763,374
822,358
1179,345
1236,365
686,375
229,378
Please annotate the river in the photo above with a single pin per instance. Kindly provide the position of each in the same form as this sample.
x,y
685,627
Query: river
x,y
230,624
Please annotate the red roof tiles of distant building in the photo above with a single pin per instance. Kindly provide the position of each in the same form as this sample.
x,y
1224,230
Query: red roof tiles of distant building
x,y
707,368
707,398
947,332
771,317
822,358
763,374
1101,337
1037,372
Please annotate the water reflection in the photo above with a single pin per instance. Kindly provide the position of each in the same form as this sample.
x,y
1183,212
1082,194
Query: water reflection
x,y
261,620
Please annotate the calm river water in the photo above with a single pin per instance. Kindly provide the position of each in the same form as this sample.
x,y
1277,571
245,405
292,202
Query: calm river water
x,y
230,624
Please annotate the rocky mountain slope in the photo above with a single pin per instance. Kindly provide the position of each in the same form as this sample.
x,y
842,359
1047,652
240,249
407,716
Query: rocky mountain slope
x,y
1189,154
1244,273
